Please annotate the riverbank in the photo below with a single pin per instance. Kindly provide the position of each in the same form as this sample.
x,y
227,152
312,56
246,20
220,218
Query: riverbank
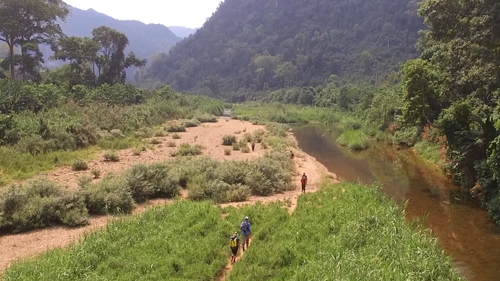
x,y
207,135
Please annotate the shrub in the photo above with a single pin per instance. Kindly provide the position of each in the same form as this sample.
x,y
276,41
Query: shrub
x,y
154,181
228,140
111,156
109,196
236,146
245,149
160,133
176,128
84,181
355,140
264,145
155,141
248,137
191,123
171,144
79,165
176,136
351,125
276,129
117,133
186,149
207,118
96,173
258,135
40,204
227,151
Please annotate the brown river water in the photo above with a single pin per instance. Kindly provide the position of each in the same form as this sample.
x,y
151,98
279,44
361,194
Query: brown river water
x,y
462,228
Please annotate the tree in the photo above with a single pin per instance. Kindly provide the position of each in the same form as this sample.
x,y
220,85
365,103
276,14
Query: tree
x,y
286,71
111,61
81,54
26,24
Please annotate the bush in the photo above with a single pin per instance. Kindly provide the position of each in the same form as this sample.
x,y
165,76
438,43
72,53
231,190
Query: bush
x,y
227,151
228,140
207,118
155,141
236,146
160,133
109,196
79,165
154,181
258,135
40,204
191,123
248,137
245,149
176,128
171,144
351,125
186,149
96,173
176,136
111,156
355,140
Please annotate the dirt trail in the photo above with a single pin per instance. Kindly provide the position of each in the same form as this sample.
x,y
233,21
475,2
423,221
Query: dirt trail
x,y
20,246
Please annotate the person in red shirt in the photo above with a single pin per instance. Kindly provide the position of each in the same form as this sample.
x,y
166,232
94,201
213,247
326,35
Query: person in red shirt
x,y
303,181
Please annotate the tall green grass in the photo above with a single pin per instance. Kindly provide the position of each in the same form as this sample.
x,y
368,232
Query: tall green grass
x,y
344,232
354,139
429,151
182,241
15,165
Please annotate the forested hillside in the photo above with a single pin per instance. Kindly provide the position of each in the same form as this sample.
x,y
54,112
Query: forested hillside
x,y
262,44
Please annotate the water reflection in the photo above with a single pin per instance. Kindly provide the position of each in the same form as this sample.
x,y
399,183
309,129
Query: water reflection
x,y
463,229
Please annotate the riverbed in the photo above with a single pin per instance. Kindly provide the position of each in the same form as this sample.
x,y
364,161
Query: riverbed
x,y
463,229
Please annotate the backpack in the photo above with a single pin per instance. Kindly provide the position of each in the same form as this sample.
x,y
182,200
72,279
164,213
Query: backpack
x,y
244,226
233,243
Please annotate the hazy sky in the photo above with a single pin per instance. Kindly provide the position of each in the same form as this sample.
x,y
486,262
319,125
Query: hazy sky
x,y
188,13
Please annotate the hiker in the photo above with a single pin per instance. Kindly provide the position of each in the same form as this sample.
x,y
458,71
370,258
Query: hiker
x,y
234,244
303,181
253,145
245,232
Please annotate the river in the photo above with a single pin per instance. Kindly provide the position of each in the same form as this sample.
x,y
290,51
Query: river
x,y
462,228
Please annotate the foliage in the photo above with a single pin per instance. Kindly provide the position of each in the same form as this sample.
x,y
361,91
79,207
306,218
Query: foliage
x,y
40,204
355,140
79,165
111,195
185,149
249,46
176,128
228,140
111,156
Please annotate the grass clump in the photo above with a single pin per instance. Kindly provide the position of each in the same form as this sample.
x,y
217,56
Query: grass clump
x,y
228,140
176,128
151,181
190,123
171,144
207,118
186,149
176,136
40,204
344,232
182,241
111,156
79,165
245,149
355,140
430,151
227,151
155,141
96,173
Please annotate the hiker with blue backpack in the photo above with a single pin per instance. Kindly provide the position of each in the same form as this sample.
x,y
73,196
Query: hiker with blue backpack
x,y
245,232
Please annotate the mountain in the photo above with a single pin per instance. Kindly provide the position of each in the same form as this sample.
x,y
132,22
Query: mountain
x,y
182,31
145,40
268,44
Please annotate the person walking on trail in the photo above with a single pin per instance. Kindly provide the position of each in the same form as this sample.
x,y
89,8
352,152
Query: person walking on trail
x,y
303,181
245,232
234,244
253,146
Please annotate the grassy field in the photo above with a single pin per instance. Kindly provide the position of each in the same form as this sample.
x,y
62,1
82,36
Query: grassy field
x,y
343,232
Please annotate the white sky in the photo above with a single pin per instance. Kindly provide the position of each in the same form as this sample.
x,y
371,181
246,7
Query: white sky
x,y
188,13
